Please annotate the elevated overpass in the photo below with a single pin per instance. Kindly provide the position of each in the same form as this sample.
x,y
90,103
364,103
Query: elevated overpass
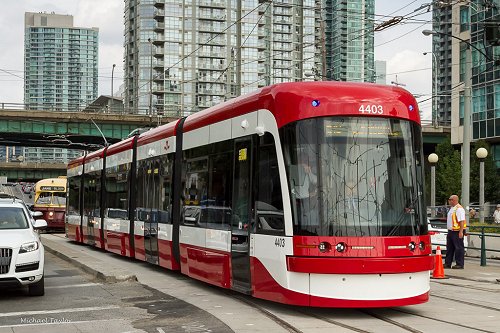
x,y
26,171
75,130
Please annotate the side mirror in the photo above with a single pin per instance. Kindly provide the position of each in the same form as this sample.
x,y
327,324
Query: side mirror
x,y
40,224
37,213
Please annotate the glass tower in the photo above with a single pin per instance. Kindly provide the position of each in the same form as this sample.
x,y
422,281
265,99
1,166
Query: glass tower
x,y
349,40
182,56
60,72
60,63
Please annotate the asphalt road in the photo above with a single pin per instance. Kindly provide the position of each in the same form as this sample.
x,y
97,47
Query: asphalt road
x,y
75,302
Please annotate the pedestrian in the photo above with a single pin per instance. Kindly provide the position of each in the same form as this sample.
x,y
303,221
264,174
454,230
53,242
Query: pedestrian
x,y
456,225
472,213
496,214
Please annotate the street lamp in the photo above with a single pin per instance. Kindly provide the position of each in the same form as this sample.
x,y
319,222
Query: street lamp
x,y
150,77
481,153
112,75
433,158
112,95
434,96
467,117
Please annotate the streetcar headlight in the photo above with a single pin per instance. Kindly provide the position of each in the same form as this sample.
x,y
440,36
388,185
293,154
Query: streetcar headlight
x,y
412,246
51,215
324,247
341,247
421,245
29,247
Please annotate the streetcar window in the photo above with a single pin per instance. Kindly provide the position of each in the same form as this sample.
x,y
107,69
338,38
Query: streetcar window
x,y
355,176
154,189
117,188
92,196
207,186
74,195
269,201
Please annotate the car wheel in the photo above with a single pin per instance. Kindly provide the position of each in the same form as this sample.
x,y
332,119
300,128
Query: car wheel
x,y
37,288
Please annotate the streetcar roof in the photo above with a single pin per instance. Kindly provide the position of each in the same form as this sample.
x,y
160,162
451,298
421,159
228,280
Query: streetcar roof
x,y
76,162
155,134
293,101
51,181
95,155
120,146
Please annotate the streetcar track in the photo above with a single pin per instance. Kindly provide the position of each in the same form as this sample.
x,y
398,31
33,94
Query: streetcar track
x,y
469,287
442,321
286,325
391,321
291,328
487,307
335,322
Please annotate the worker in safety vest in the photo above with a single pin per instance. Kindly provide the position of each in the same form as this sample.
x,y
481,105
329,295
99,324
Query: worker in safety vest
x,y
456,224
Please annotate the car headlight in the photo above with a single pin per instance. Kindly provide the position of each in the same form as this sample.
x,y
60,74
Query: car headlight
x,y
29,247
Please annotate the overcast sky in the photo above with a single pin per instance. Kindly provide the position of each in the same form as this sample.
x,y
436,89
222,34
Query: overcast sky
x,y
401,46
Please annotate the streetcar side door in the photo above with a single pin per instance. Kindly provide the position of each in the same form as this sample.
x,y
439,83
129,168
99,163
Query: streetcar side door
x,y
151,221
241,215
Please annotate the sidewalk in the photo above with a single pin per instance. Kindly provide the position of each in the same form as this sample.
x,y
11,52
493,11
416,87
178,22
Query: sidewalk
x,y
239,316
473,271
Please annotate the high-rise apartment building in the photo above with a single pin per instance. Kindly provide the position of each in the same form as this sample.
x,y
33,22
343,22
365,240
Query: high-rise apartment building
x,y
349,40
60,63
182,56
472,18
442,64
60,72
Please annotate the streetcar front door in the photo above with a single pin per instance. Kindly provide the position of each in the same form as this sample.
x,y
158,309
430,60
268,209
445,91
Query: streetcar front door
x,y
241,215
152,218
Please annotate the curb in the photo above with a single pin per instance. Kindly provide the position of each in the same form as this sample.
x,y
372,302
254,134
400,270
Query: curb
x,y
90,270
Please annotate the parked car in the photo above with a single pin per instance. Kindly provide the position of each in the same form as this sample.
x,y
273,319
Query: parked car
x,y
438,231
21,251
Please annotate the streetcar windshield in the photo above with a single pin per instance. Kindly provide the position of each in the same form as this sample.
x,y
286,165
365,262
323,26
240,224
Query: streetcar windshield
x,y
51,198
355,176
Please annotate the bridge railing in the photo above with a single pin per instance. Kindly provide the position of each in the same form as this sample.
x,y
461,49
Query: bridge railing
x,y
111,108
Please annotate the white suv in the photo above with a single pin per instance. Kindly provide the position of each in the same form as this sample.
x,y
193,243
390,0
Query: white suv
x,y
438,231
21,251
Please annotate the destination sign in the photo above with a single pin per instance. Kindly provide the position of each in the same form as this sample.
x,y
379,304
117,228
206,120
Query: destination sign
x,y
52,188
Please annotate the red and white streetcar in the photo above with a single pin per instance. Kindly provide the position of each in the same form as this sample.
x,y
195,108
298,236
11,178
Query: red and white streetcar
x,y
307,193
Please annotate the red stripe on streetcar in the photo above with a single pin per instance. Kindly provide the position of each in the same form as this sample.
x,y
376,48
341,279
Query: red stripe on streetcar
x,y
360,265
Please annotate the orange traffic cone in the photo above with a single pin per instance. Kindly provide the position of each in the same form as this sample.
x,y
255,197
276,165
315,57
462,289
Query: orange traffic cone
x,y
438,265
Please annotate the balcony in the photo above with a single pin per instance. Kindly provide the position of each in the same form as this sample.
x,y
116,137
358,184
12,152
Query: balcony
x,y
212,4
159,27
158,63
159,13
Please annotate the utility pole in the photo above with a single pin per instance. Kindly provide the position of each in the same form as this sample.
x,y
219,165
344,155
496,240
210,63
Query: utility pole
x,y
150,77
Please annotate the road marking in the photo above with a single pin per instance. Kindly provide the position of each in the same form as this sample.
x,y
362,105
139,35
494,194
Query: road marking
x,y
160,330
29,313
75,285
55,322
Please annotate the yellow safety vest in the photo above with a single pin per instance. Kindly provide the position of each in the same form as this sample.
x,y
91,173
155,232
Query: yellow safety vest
x,y
455,225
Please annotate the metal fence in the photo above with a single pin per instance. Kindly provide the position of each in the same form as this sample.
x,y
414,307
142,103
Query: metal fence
x,y
475,211
494,232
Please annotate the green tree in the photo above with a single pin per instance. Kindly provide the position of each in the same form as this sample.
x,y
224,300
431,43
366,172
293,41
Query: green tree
x,y
491,178
448,172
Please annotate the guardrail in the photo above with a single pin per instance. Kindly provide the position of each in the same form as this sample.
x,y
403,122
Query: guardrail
x,y
482,236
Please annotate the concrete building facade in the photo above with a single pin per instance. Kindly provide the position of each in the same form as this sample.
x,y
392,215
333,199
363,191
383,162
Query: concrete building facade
x,y
184,56
60,72
60,63
485,101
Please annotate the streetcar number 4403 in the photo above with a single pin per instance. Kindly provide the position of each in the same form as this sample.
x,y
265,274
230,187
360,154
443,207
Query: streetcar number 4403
x,y
279,242
371,109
